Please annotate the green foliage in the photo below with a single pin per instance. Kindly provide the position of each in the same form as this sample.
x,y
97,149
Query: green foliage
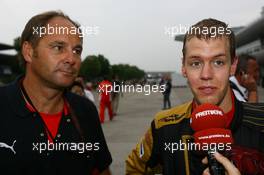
x,y
94,67
90,67
17,44
127,72
105,66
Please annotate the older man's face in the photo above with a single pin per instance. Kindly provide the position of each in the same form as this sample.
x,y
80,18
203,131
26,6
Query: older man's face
x,y
57,57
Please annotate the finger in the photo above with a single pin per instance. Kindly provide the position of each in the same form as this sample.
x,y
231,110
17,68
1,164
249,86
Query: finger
x,y
205,160
230,168
206,172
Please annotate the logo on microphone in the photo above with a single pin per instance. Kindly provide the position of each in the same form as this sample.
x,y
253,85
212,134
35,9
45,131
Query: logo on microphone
x,y
208,112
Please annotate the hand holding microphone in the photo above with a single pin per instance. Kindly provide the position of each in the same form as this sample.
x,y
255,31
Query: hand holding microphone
x,y
228,165
209,123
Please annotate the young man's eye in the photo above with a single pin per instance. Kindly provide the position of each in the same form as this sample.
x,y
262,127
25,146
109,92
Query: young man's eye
x,y
57,48
218,63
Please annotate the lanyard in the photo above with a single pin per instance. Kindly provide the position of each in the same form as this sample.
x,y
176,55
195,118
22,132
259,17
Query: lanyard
x,y
36,111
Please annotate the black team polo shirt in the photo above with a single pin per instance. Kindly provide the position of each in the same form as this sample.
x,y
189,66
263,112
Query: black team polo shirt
x,y
24,144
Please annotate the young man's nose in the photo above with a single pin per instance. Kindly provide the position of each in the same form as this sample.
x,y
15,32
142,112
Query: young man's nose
x,y
206,71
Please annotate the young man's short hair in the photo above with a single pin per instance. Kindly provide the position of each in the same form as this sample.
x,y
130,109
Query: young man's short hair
x,y
209,29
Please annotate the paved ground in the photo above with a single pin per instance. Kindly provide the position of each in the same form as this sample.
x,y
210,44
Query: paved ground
x,y
134,117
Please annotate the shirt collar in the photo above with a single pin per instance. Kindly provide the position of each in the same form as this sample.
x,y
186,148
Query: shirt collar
x,y
16,99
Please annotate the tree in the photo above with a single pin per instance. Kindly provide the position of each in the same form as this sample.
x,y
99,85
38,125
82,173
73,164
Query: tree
x,y
17,44
94,67
127,72
105,66
90,67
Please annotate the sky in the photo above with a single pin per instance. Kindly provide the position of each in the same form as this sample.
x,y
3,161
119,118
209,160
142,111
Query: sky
x,y
135,32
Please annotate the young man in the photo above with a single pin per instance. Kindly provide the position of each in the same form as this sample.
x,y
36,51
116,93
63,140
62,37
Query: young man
x,y
45,129
244,82
208,61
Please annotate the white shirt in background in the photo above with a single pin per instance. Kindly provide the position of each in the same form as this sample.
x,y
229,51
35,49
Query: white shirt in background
x,y
242,89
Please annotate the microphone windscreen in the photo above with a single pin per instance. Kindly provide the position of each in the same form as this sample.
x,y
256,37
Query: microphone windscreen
x,y
207,116
213,136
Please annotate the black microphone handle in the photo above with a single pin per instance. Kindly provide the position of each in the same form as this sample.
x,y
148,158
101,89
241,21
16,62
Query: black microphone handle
x,y
215,167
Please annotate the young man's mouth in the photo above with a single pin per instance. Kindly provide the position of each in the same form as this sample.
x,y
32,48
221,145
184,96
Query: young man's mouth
x,y
207,90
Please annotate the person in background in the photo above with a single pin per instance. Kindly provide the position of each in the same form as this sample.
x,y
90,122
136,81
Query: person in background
x,y
105,90
167,92
77,88
261,76
116,94
87,91
244,82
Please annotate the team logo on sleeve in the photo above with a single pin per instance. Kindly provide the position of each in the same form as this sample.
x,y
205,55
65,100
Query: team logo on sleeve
x,y
141,151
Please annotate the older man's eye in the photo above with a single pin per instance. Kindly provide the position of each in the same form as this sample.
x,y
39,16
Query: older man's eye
x,y
77,51
195,64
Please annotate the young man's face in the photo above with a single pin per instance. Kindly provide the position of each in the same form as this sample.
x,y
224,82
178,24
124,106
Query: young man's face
x,y
207,66
57,57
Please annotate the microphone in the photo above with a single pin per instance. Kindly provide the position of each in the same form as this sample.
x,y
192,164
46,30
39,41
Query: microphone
x,y
209,123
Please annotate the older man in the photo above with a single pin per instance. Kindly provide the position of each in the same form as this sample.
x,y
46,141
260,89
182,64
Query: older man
x,y
50,130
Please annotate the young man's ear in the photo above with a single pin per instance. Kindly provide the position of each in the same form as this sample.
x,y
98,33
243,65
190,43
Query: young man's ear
x,y
183,69
27,51
234,66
